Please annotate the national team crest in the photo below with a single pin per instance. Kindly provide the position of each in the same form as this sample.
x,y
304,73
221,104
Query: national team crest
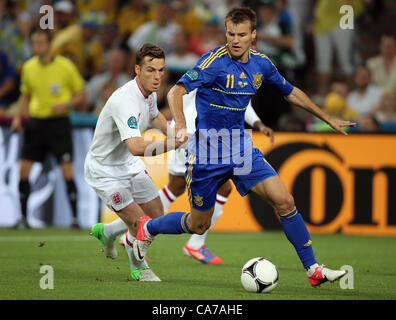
x,y
116,198
198,201
257,80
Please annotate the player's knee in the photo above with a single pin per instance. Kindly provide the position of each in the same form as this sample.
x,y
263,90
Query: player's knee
x,y
225,189
285,204
177,185
201,230
179,190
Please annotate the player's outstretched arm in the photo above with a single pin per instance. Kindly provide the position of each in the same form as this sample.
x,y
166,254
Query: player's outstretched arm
x,y
137,146
299,98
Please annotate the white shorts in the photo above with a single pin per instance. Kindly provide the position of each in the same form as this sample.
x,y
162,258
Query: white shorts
x,y
117,193
177,162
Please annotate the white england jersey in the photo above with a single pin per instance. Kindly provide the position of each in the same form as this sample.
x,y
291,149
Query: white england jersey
x,y
125,115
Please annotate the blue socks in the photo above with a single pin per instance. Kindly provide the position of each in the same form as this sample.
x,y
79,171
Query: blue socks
x,y
293,226
296,232
171,223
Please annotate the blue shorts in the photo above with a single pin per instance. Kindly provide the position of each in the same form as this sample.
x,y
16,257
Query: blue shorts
x,y
204,180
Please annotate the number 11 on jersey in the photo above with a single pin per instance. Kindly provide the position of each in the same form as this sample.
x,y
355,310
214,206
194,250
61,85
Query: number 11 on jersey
x,y
230,78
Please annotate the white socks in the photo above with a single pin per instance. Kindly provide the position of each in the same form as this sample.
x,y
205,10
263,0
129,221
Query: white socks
x,y
113,229
196,241
128,247
310,271
167,197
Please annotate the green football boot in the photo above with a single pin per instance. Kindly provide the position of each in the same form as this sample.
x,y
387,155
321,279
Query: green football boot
x,y
108,244
144,273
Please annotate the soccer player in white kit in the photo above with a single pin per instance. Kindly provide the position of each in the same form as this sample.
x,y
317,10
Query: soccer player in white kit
x,y
113,167
195,247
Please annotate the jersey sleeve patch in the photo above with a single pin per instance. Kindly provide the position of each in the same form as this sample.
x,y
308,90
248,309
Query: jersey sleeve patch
x,y
132,123
192,74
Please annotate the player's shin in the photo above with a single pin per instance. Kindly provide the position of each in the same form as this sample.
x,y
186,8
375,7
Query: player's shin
x,y
196,241
140,271
171,223
296,232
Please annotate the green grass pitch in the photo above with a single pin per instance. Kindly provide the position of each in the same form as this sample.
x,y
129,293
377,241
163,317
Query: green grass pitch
x,y
82,272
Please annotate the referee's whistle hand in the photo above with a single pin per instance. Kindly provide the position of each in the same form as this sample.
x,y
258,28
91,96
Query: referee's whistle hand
x,y
16,125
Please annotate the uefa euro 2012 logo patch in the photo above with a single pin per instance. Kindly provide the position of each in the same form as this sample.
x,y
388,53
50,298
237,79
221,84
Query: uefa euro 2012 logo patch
x,y
192,74
132,123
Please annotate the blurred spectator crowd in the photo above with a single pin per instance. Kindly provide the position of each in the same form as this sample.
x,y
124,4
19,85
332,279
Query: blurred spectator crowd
x,y
350,73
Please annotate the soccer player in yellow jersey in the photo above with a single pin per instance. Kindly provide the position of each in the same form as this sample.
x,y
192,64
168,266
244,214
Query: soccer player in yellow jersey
x,y
50,88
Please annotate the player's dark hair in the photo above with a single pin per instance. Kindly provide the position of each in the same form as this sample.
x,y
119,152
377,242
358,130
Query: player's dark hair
x,y
241,14
149,50
48,32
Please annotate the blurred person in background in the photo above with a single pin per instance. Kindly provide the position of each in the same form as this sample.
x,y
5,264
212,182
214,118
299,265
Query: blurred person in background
x,y
385,112
368,124
299,12
132,15
160,32
51,87
107,8
274,34
275,40
335,105
220,8
90,24
207,38
181,59
7,81
177,63
100,87
15,30
109,39
187,16
329,37
8,27
68,39
336,102
366,96
291,122
25,26
383,66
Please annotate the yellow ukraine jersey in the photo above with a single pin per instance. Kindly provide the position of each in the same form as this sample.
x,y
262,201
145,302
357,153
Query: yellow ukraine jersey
x,y
49,84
